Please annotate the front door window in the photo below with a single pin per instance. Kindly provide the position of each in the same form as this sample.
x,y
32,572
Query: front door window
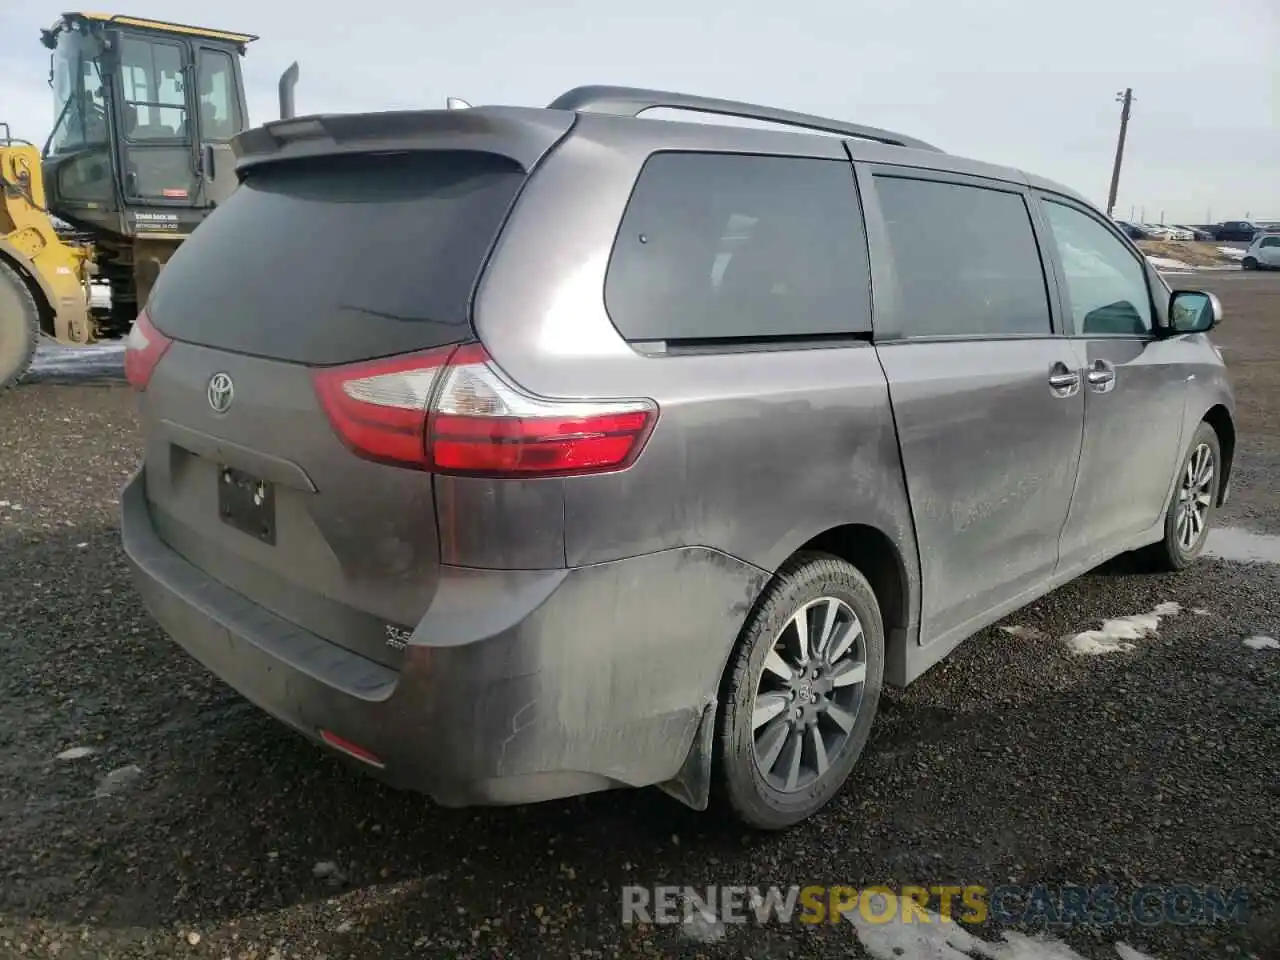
x,y
1106,285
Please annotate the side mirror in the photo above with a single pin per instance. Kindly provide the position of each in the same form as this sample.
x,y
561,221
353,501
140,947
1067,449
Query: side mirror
x,y
1193,311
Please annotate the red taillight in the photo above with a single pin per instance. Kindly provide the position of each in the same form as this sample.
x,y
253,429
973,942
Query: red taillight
x,y
379,408
451,411
143,350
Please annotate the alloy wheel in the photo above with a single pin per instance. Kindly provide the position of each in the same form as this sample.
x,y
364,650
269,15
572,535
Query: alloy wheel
x,y
808,694
1195,496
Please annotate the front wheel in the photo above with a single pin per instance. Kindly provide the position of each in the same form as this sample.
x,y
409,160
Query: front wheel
x,y
1249,263
19,326
1186,525
801,692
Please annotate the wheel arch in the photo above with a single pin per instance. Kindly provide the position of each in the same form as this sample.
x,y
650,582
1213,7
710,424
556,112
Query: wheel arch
x,y
874,554
1219,418
39,289
876,557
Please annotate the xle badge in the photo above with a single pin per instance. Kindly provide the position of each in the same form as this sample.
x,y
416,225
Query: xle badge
x,y
398,637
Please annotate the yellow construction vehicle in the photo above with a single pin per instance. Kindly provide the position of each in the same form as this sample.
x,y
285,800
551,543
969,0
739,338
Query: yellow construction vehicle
x,y
139,155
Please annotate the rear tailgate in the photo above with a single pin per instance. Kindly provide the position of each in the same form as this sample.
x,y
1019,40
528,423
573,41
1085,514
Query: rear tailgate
x,y
321,257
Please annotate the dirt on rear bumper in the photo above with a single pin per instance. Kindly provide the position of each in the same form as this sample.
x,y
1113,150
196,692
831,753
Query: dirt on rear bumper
x,y
517,686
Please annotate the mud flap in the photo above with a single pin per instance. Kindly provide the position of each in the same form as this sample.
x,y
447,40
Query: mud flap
x,y
692,783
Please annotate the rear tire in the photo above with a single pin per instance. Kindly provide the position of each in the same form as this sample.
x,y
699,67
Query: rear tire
x,y
793,725
1191,509
1249,263
19,326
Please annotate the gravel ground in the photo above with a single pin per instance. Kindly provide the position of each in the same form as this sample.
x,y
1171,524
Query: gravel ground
x,y
189,824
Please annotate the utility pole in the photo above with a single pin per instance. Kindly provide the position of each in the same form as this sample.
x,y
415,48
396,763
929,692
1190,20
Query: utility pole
x,y
1125,98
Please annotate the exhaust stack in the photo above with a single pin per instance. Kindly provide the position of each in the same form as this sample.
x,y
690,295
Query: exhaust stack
x,y
288,80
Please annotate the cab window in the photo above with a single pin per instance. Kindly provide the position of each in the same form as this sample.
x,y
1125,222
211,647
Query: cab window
x,y
155,105
220,117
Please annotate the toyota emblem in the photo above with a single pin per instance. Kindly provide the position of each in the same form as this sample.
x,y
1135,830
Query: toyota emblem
x,y
221,392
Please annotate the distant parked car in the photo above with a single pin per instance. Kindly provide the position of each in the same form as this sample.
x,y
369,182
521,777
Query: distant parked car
x,y
1264,254
1134,231
1236,230
1162,231
1197,233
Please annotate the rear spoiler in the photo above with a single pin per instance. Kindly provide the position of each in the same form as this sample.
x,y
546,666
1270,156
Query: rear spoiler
x,y
522,134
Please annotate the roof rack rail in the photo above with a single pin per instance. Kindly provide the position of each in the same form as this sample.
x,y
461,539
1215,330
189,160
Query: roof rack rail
x,y
632,101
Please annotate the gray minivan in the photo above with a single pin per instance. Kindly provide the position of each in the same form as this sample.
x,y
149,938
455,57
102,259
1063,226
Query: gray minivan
x,y
520,453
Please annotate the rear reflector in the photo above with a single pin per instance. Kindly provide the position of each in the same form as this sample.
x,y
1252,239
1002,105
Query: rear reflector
x,y
452,411
144,347
349,748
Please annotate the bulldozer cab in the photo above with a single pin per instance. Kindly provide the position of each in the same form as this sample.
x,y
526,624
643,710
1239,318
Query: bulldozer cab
x,y
144,114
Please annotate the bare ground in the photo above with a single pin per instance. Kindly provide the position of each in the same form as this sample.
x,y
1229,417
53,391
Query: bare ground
x,y
1011,762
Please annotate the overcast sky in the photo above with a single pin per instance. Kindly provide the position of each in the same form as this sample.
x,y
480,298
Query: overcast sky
x,y
1001,80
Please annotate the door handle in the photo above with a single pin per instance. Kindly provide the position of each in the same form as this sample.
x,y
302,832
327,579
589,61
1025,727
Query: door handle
x,y
1101,376
1062,381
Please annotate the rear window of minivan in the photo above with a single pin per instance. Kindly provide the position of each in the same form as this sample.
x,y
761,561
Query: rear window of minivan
x,y
340,258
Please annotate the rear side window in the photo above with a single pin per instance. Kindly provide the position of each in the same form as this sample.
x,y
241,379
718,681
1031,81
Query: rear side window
x,y
340,259
966,258
725,246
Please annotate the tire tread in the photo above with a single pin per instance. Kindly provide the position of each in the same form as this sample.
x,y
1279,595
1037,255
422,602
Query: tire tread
x,y
29,320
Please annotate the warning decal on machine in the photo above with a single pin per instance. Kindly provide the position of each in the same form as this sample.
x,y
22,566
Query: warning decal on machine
x,y
146,220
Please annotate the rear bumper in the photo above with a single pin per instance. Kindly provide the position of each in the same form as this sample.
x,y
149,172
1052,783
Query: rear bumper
x,y
517,686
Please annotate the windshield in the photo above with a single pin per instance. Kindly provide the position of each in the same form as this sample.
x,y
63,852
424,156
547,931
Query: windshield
x,y
80,117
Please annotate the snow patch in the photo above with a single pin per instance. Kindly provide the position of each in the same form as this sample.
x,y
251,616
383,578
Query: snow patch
x,y
702,929
118,781
1234,253
1022,633
77,753
1096,643
1126,952
932,938
59,358
1116,635
1164,263
1262,643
